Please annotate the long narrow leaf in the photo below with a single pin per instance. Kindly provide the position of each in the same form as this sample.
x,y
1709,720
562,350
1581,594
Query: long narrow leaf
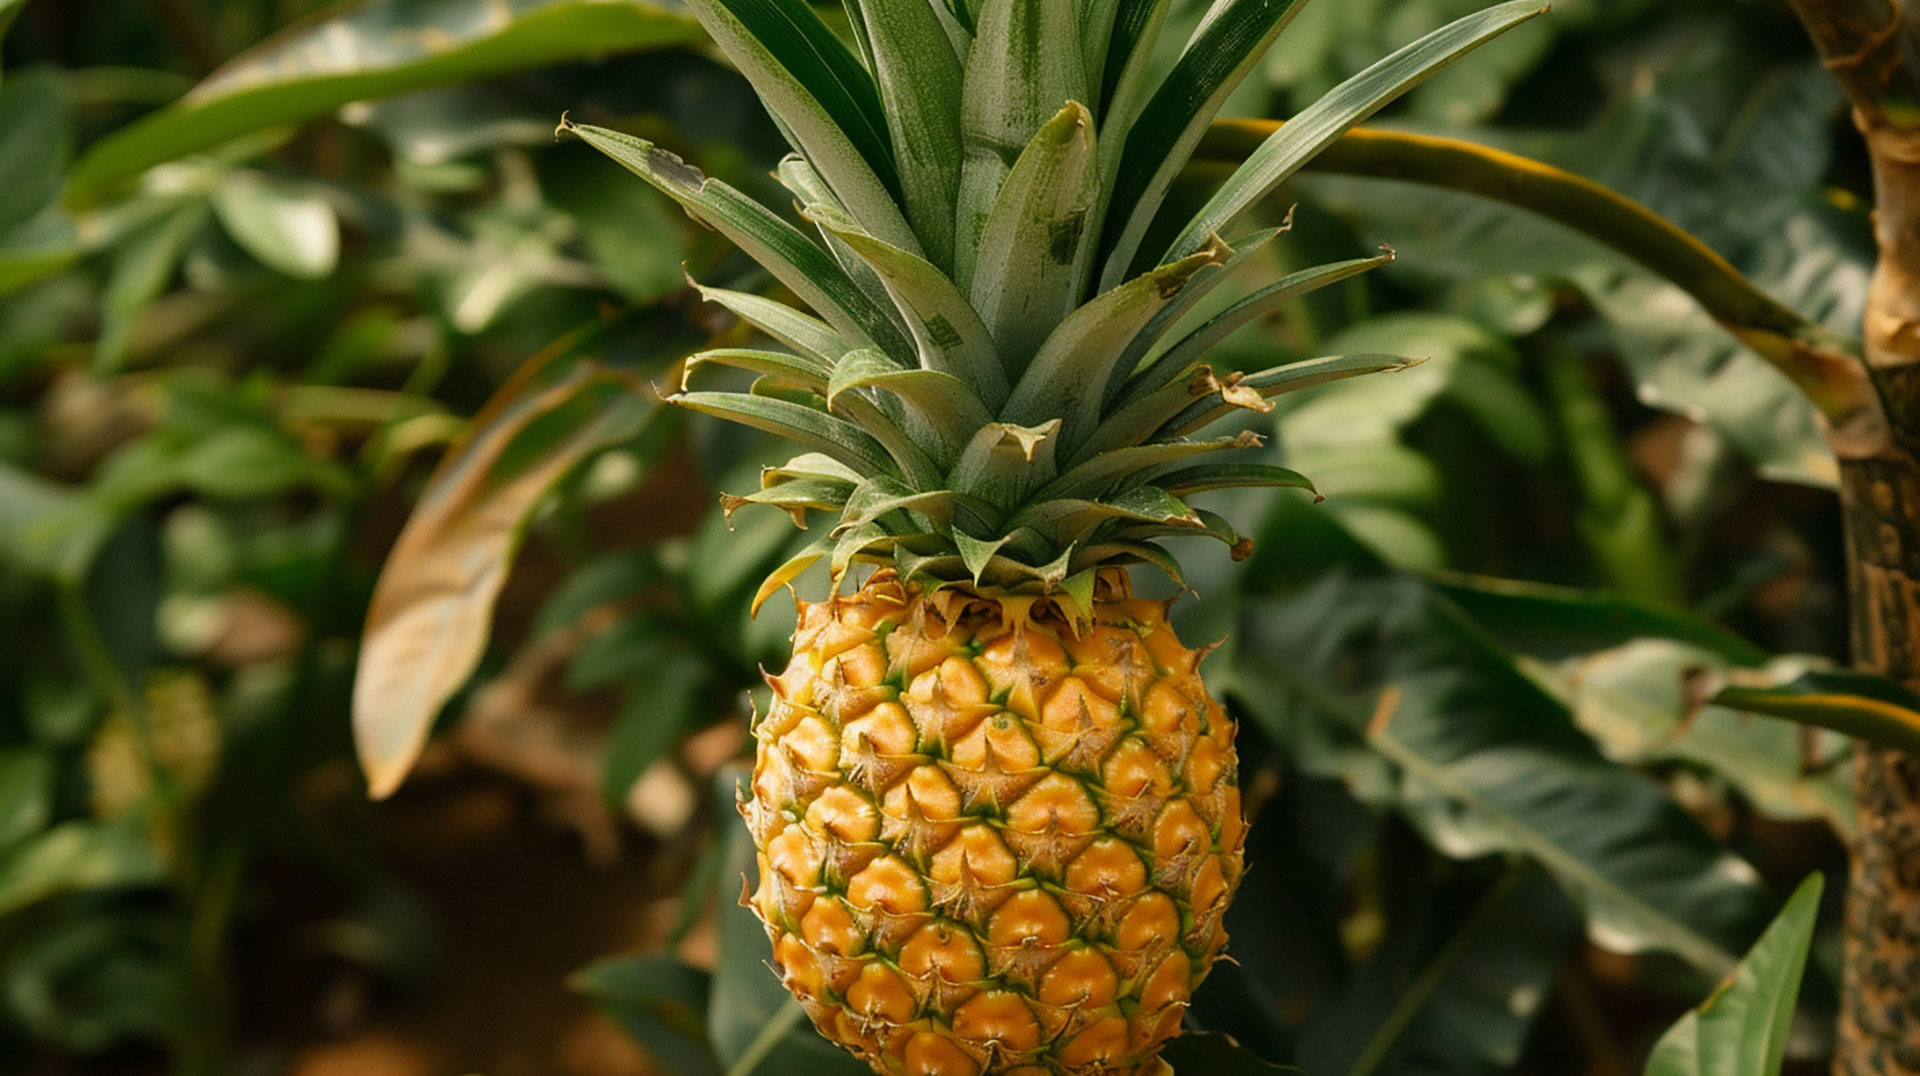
x,y
1027,276
919,75
1195,344
789,255
824,433
1289,378
948,333
1344,107
1235,37
1025,65
823,97
802,332
1069,374
370,51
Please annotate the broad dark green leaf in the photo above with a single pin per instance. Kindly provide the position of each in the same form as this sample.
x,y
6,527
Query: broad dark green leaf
x,y
34,142
75,857
1490,764
1742,1029
668,697
26,793
373,50
1553,622
659,1001
1204,1053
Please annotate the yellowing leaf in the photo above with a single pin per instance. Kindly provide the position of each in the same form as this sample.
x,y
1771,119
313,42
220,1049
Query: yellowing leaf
x,y
432,608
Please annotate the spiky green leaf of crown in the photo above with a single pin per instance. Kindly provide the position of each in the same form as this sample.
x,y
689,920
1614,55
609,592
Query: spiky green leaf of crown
x,y
991,386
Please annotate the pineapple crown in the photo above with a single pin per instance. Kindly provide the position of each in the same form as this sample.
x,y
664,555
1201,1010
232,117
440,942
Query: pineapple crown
x,y
998,383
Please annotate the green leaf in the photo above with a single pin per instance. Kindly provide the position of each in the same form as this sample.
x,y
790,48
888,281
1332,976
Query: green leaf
x,y
74,857
1024,67
1318,125
1872,708
919,76
1231,476
370,51
287,229
810,188
1742,1029
1069,374
802,332
1102,472
1552,622
786,252
429,620
142,267
669,696
1032,251
1004,460
1641,701
34,142
803,372
824,433
1236,34
1191,348
1488,763
1209,1053
822,98
948,333
795,496
26,793
659,1001
940,400
1284,379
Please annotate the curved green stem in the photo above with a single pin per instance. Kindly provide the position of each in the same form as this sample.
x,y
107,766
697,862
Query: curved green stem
x,y
1822,364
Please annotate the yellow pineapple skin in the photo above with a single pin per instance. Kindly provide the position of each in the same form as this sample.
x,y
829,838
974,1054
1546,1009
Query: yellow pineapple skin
x,y
990,843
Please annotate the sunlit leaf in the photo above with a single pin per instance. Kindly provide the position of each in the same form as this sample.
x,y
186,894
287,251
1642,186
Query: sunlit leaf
x,y
432,610
287,229
76,856
375,50
1742,1029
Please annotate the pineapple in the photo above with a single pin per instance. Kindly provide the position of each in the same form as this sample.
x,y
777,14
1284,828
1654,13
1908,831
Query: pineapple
x,y
996,810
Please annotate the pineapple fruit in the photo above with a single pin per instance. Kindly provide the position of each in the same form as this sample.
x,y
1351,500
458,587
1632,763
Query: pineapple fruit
x,y
996,810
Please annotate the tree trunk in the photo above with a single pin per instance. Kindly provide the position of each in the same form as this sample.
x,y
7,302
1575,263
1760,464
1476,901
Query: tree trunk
x,y
1872,47
1880,1014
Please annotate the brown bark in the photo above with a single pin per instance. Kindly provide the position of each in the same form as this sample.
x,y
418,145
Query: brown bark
x,y
1873,48
1880,1015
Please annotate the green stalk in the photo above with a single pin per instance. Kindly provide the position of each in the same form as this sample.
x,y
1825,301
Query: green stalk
x,y
1824,365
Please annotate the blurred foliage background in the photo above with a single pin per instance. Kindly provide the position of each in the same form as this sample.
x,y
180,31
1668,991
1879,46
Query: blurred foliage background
x,y
263,261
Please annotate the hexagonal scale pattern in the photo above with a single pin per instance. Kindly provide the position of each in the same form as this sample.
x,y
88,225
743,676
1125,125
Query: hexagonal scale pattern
x,y
993,842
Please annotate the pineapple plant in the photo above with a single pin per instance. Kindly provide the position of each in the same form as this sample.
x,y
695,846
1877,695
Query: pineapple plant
x,y
996,810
